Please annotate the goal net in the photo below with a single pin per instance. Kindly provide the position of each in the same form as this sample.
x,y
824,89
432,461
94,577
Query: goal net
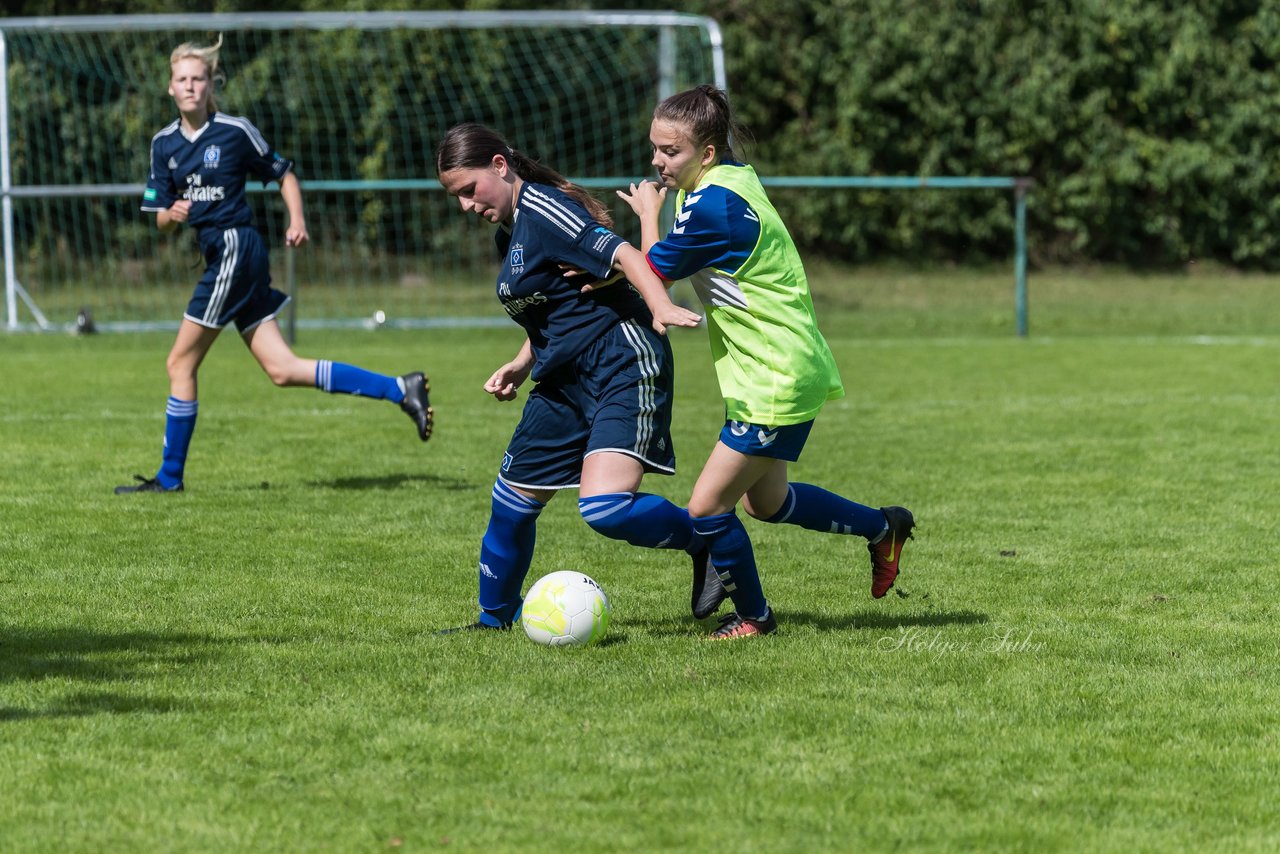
x,y
359,101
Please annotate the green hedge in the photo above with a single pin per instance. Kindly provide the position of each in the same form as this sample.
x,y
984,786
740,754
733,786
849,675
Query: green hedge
x,y
1150,128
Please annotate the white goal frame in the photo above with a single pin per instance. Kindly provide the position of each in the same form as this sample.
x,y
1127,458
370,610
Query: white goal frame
x,y
666,24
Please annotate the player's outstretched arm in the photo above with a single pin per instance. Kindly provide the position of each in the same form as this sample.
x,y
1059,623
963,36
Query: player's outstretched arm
x,y
654,291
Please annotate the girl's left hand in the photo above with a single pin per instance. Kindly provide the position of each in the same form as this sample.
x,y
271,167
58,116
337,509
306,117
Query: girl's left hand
x,y
296,236
645,198
504,381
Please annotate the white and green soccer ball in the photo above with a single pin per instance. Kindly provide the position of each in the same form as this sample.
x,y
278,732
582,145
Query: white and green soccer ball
x,y
565,608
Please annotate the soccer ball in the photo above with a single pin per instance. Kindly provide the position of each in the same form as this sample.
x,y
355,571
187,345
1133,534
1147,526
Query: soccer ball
x,y
565,609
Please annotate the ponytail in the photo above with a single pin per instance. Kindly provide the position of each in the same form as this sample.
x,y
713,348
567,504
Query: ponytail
x,y
706,117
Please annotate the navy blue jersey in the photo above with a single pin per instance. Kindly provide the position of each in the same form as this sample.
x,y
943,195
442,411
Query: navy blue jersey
x,y
549,229
210,169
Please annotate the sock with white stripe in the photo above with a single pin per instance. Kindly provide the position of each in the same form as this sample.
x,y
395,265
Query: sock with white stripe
x,y
734,561
641,519
505,554
338,378
817,509
180,423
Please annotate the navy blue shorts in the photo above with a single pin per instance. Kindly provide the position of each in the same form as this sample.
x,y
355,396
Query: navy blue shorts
x,y
616,397
757,440
236,284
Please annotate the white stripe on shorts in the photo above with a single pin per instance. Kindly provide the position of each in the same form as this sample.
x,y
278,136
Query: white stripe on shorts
x,y
226,273
647,359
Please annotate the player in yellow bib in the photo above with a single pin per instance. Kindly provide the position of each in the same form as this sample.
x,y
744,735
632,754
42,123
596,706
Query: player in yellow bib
x,y
774,367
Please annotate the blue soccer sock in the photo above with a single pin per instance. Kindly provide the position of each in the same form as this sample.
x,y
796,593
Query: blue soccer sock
x,y
734,562
817,509
337,378
505,553
640,519
180,423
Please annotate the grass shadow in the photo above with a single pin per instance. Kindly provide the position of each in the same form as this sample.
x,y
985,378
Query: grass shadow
x,y
84,704
395,481
879,621
97,658
671,626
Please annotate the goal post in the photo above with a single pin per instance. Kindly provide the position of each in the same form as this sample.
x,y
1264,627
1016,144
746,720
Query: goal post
x,y
359,100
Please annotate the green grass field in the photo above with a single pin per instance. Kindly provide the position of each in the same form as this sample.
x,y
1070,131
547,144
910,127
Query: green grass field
x,y
1086,660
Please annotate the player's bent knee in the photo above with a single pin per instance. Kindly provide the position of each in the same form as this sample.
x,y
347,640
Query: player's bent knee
x,y
758,510
284,375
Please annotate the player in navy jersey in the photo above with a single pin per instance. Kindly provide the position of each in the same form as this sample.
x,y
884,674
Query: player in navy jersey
x,y
199,165
598,417
774,367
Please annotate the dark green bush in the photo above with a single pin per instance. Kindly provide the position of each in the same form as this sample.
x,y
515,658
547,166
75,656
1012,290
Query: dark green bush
x,y
1150,128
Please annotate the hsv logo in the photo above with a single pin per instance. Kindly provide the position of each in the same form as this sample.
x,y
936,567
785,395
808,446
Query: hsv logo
x,y
517,259
212,155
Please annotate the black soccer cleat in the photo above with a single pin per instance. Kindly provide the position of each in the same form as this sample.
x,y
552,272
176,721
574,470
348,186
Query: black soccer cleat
x,y
417,403
735,626
475,627
145,484
708,589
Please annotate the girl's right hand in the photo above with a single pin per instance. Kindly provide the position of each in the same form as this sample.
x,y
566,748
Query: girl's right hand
x,y
180,210
506,380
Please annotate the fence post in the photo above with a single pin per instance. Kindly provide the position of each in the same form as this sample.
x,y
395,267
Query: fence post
x,y
1020,188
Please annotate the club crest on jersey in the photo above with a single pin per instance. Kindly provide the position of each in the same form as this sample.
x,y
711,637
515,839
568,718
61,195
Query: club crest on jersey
x,y
517,259
212,155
